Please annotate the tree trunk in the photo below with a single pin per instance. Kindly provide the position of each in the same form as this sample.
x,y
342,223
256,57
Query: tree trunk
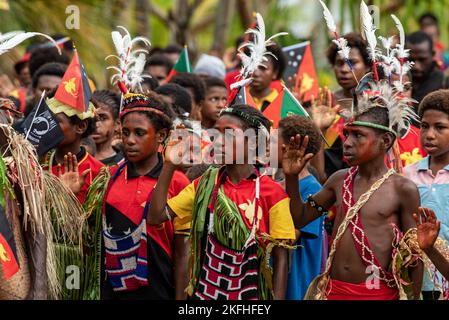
x,y
245,13
225,11
143,25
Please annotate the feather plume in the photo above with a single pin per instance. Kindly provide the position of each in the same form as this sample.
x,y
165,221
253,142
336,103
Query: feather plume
x,y
400,48
131,61
342,43
257,51
329,19
368,30
10,40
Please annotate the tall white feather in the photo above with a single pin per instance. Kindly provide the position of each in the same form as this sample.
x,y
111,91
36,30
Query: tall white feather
x,y
131,62
368,30
10,40
400,48
257,52
329,18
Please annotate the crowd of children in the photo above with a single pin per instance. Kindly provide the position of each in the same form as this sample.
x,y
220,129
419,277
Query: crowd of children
x,y
359,174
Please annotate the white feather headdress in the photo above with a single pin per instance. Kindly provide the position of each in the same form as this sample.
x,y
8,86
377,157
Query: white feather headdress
x,y
256,52
369,31
132,61
12,39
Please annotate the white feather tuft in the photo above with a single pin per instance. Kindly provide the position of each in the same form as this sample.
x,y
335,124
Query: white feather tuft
x,y
369,30
257,51
329,18
131,61
10,40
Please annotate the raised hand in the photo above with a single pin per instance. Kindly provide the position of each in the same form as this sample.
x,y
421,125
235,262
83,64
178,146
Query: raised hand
x,y
179,148
71,176
294,85
428,227
322,111
294,157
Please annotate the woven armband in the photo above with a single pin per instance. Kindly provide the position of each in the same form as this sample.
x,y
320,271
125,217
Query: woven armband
x,y
316,206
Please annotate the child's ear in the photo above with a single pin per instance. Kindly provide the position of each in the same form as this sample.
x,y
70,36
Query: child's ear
x,y
81,127
162,135
388,140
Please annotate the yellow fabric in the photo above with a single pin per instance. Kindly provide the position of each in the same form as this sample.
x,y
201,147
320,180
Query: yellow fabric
x,y
181,225
270,98
182,205
59,107
281,222
331,133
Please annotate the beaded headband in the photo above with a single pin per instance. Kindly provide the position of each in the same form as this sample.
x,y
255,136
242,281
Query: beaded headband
x,y
133,102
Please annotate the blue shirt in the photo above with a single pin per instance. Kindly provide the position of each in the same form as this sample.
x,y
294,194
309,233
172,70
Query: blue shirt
x,y
306,260
434,194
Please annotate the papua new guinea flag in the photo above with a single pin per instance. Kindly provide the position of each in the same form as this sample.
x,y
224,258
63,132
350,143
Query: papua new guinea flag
x,y
182,65
284,104
301,68
74,89
8,253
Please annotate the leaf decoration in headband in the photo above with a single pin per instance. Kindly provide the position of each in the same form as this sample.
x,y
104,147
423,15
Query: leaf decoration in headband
x,y
128,74
12,39
256,52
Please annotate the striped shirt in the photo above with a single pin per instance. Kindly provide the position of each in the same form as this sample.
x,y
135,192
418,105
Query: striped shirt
x,y
434,194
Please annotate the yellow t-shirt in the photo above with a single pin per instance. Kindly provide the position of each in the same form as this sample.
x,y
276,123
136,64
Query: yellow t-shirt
x,y
274,205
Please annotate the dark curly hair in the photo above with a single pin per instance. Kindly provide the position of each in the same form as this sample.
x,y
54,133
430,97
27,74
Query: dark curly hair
x,y
49,69
109,99
41,56
193,82
158,120
279,63
356,41
250,116
292,125
437,100
182,102
159,59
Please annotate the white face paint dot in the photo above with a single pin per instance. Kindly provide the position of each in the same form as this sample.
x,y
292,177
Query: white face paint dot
x,y
289,63
299,57
295,64
292,53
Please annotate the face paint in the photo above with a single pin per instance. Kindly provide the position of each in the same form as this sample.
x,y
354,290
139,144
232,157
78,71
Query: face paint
x,y
140,138
360,145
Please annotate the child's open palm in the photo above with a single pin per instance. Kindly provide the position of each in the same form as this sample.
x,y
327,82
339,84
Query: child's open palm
x,y
428,227
294,157
71,177
322,111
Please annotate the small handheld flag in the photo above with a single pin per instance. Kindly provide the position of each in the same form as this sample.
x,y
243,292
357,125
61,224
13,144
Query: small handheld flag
x,y
301,68
182,65
74,89
41,128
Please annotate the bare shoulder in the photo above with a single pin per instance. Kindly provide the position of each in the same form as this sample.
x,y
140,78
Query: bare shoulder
x,y
404,186
337,178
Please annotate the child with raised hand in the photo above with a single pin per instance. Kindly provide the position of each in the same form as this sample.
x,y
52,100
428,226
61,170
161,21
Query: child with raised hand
x,y
146,122
234,212
107,105
428,228
431,174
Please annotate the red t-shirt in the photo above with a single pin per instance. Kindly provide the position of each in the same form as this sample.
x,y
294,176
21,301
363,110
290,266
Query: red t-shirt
x,y
85,161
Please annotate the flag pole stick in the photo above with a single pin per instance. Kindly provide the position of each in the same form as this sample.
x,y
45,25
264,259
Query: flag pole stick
x,y
35,114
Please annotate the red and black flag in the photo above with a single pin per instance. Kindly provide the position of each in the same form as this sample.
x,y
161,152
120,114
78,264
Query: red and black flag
x,y
8,253
301,68
242,96
74,89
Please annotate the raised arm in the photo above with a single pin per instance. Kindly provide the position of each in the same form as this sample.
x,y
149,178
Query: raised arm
x,y
410,201
159,211
294,161
428,228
